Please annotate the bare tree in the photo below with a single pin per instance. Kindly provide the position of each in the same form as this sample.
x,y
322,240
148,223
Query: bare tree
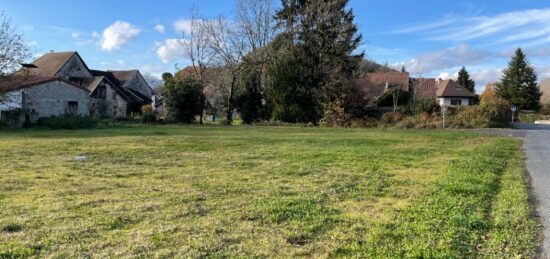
x,y
229,48
13,50
257,26
196,43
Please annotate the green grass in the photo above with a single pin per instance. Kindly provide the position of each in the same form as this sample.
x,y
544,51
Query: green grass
x,y
266,191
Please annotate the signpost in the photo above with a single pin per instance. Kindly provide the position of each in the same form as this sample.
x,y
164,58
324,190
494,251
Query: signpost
x,y
443,111
513,109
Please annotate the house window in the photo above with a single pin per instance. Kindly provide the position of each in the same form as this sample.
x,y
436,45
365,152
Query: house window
x,y
456,102
73,107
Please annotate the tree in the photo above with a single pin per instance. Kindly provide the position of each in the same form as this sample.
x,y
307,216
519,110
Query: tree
x,y
229,48
323,35
403,70
464,80
256,27
13,50
196,44
519,83
183,98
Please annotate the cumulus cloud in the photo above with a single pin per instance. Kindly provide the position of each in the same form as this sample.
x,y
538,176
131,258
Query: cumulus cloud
x,y
160,29
171,50
118,35
183,26
462,55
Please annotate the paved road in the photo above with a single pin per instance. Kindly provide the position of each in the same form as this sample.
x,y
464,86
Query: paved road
x,y
537,150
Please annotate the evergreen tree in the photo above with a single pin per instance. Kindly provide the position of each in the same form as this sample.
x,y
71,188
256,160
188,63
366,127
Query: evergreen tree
x,y
403,70
519,83
464,80
183,97
322,34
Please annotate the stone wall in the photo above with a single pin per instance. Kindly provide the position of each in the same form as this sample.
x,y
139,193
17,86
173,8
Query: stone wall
x,y
138,83
74,68
54,99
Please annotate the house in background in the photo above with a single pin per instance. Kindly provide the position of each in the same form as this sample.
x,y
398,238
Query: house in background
x,y
114,93
374,85
451,93
31,98
445,92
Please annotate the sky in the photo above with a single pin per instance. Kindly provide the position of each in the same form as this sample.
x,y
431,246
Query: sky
x,y
431,38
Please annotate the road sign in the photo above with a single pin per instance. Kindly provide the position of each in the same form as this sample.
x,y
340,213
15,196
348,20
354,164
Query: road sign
x,y
514,108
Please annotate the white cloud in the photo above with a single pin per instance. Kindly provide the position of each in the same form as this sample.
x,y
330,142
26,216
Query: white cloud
x,y
171,50
33,44
160,28
183,26
526,27
151,69
118,35
95,34
75,35
463,55
28,28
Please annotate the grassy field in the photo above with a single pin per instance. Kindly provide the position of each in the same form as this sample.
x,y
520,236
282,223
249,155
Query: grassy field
x,y
256,192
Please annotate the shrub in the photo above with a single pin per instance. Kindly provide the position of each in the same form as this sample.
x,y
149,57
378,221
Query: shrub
x,y
391,118
480,117
71,122
148,117
335,116
415,107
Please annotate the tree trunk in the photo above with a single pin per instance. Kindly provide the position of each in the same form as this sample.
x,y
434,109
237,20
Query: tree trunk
x,y
230,101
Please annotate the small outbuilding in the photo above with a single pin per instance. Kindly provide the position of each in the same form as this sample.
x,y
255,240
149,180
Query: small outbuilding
x,y
27,99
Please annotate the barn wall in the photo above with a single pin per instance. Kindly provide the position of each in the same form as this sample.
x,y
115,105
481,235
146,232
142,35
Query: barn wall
x,y
52,99
74,68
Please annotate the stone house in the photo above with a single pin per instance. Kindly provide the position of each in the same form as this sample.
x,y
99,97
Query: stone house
x,y
113,93
31,98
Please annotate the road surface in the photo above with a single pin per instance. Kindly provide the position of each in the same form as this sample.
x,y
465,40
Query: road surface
x,y
537,150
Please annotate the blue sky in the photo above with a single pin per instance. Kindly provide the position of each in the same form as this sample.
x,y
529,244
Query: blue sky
x,y
430,37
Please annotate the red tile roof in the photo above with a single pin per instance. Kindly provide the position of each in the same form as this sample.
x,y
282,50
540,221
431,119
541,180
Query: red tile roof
x,y
425,88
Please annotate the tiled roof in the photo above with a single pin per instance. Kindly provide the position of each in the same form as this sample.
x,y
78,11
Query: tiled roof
x,y
450,88
425,88
373,85
122,76
49,64
13,83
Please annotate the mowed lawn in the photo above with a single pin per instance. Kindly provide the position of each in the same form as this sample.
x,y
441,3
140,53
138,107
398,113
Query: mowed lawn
x,y
257,192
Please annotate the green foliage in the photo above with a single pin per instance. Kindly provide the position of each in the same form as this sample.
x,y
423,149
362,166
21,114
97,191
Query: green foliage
x,y
370,66
519,83
318,44
71,122
386,100
249,98
419,106
464,80
183,98
148,117
481,117
289,94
